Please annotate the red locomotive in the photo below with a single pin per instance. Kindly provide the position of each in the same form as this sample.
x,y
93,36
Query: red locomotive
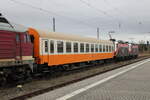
x,y
16,51
125,50
133,50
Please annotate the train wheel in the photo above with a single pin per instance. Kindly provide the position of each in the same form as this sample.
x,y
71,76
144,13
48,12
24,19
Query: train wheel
x,y
28,75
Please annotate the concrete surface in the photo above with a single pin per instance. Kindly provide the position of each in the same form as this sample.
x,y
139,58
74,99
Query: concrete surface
x,y
131,82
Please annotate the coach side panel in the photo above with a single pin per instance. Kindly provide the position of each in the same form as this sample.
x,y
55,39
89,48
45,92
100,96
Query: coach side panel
x,y
57,52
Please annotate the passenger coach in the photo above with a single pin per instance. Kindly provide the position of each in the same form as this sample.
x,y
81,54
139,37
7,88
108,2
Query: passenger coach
x,y
57,49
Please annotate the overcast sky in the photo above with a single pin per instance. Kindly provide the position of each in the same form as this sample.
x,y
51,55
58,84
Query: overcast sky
x,y
128,18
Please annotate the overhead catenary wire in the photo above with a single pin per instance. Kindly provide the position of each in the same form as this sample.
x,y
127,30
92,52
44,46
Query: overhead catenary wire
x,y
52,13
119,11
97,9
114,8
102,12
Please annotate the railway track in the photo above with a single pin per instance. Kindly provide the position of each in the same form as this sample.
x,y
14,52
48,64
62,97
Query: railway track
x,y
91,71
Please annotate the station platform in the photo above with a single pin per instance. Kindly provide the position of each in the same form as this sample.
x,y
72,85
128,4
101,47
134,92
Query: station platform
x,y
131,82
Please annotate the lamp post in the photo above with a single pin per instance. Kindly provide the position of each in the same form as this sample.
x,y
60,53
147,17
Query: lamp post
x,y
98,33
109,33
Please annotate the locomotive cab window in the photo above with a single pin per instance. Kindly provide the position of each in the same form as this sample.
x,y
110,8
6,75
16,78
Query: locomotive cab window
x,y
25,38
75,47
51,46
60,47
28,38
68,47
17,38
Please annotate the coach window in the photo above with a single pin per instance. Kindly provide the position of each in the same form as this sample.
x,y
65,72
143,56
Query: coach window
x,y
92,47
68,47
100,48
75,47
81,47
51,46
60,47
46,46
103,48
96,48
109,48
87,47
106,48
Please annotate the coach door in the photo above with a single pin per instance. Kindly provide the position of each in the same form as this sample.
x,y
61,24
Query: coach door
x,y
45,50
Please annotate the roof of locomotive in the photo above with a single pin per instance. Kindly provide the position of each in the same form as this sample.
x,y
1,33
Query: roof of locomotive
x,y
9,26
70,37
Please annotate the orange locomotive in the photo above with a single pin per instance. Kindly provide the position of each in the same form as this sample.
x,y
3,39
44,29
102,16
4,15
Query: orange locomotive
x,y
52,48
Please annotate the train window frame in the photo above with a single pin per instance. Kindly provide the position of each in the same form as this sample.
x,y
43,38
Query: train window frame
x,y
100,48
45,48
68,48
82,47
52,50
61,47
92,48
107,48
75,48
96,48
87,46
104,49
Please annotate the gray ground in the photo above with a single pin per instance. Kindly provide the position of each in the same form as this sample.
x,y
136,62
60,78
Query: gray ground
x,y
133,85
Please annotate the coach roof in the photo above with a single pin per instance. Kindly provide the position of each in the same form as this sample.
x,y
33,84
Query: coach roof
x,y
70,37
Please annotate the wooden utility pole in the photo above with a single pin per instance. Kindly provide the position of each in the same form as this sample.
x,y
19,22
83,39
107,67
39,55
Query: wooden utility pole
x,y
54,25
98,33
